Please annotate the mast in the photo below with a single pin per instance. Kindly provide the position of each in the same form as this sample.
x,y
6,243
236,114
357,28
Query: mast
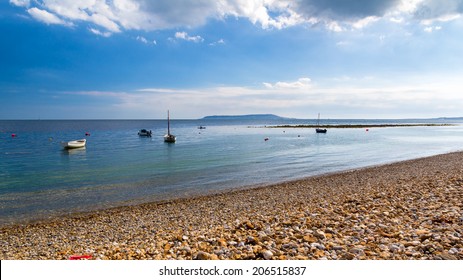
x,y
168,123
318,123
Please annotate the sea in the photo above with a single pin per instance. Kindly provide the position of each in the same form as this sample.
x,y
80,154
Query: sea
x,y
41,180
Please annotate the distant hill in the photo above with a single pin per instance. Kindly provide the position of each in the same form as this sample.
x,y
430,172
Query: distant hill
x,y
244,117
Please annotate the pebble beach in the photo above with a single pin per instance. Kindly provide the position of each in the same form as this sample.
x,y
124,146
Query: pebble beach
x,y
400,211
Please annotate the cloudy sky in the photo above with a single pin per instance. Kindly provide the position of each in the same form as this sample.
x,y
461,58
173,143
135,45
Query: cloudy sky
x,y
106,59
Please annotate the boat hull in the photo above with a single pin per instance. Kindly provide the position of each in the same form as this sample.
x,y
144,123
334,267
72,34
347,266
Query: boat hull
x,y
169,138
74,144
145,133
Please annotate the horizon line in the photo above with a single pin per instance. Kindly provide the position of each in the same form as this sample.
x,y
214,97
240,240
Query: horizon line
x,y
225,116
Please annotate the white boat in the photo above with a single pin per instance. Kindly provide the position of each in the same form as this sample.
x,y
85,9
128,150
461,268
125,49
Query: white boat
x,y
74,144
169,138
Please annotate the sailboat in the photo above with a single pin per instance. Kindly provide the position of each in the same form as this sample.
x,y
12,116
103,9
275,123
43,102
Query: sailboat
x,y
169,138
318,129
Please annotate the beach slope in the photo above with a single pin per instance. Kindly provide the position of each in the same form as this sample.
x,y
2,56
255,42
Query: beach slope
x,y
405,210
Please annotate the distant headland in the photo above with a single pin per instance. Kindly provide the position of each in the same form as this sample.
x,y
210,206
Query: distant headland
x,y
358,125
245,117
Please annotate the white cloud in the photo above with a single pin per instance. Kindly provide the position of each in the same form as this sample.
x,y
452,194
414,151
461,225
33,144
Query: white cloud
x,y
396,20
105,22
268,14
334,26
145,41
443,18
431,29
334,15
184,36
362,23
21,3
219,42
70,12
338,97
46,17
407,6
151,15
100,33
142,39
301,83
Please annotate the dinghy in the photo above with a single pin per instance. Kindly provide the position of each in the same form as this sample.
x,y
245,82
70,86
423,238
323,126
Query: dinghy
x,y
74,144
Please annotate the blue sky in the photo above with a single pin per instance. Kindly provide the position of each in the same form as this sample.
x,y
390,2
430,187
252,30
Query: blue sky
x,y
135,59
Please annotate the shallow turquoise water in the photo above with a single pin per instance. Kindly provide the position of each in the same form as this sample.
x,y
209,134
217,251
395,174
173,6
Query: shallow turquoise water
x,y
39,179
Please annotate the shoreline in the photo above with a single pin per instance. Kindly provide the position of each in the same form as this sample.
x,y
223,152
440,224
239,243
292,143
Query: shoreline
x,y
357,125
405,210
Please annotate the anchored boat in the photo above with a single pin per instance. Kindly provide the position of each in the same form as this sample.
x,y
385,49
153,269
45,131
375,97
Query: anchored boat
x,y
74,144
169,138
318,129
144,132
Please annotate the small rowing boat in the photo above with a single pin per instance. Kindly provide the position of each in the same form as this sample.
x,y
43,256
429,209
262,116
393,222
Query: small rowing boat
x,y
74,144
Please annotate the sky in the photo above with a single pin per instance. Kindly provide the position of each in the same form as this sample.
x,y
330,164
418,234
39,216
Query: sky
x,y
136,59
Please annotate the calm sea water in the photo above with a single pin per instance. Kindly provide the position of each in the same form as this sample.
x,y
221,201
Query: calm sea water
x,y
38,179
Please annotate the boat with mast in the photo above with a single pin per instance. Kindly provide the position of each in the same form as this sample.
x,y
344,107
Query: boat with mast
x,y
318,129
169,138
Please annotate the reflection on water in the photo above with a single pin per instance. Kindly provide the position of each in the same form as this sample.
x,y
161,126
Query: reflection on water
x,y
76,151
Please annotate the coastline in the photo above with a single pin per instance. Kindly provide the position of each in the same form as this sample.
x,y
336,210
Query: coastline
x,y
405,210
357,125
